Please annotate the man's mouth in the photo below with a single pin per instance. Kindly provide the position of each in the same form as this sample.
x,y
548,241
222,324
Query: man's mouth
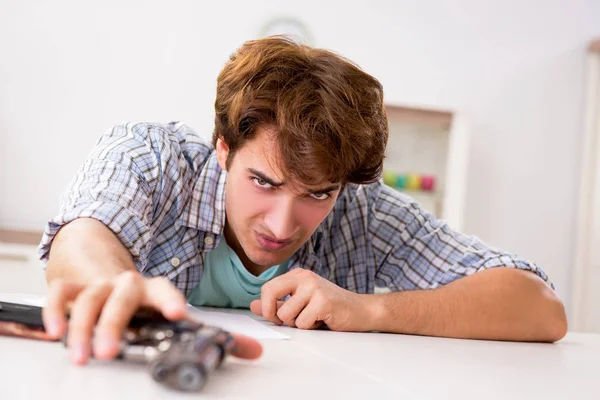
x,y
270,244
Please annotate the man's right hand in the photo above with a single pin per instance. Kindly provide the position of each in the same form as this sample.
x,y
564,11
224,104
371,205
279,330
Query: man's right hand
x,y
103,310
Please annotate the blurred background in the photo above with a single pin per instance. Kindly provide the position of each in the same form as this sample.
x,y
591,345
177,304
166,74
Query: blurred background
x,y
515,72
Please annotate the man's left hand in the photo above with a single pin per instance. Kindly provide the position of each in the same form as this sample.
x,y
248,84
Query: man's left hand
x,y
314,301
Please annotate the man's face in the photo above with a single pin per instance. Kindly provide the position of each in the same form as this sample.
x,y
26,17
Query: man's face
x,y
268,219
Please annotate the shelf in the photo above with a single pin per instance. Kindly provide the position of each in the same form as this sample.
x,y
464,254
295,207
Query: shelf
x,y
433,143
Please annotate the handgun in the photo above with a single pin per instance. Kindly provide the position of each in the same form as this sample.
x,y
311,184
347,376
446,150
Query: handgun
x,y
180,354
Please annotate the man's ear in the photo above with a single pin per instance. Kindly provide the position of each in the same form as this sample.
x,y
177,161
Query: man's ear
x,y
222,153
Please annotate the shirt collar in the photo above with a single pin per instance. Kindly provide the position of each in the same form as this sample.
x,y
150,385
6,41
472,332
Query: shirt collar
x,y
205,211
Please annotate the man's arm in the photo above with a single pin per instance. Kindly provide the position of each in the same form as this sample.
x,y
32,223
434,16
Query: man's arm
x,y
445,283
497,304
89,267
88,251
104,222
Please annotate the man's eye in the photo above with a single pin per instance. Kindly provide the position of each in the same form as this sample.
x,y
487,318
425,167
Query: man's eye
x,y
320,196
261,183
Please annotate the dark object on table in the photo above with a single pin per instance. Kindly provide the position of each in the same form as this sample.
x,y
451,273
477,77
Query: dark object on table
x,y
181,354
21,320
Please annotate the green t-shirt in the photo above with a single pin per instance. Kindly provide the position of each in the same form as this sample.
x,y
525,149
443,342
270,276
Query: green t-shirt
x,y
227,283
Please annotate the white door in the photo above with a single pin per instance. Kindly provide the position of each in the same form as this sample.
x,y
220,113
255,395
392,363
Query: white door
x,y
585,312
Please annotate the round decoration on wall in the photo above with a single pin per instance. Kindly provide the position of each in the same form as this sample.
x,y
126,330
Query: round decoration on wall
x,y
287,26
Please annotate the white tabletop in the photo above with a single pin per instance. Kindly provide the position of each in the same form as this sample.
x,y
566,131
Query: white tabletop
x,y
325,364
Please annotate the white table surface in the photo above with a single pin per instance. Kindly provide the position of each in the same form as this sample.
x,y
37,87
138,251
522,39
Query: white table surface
x,y
324,364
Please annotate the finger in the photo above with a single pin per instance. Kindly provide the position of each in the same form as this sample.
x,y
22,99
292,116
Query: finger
x,y
162,295
54,316
309,317
291,308
246,347
274,290
256,306
120,306
84,315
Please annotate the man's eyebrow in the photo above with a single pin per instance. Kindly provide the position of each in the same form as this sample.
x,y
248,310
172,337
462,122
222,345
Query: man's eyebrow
x,y
273,183
263,177
325,189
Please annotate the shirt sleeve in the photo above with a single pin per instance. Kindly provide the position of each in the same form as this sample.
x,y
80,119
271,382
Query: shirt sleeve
x,y
124,183
418,251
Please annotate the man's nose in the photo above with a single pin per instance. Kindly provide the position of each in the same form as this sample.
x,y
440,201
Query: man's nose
x,y
280,220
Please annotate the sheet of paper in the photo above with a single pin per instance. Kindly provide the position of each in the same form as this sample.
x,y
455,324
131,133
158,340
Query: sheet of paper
x,y
236,323
22,298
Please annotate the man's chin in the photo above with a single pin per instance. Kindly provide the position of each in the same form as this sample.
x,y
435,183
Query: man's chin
x,y
267,259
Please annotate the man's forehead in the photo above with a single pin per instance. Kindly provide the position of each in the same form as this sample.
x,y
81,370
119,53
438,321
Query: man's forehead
x,y
265,157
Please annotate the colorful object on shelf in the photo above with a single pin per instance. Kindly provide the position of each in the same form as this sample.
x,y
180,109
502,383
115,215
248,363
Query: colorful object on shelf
x,y
427,183
409,181
389,178
413,182
401,181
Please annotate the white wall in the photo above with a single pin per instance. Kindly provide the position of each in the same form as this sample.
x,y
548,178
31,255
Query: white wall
x,y
71,70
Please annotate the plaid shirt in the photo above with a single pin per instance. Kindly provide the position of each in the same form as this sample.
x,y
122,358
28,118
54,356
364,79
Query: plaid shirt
x,y
160,189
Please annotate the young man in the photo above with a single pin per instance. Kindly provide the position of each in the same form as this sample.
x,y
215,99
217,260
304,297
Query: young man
x,y
284,213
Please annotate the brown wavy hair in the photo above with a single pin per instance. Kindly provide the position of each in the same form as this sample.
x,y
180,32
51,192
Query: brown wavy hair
x,y
328,114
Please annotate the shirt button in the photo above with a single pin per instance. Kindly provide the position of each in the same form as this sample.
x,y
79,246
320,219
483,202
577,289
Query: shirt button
x,y
209,240
175,262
